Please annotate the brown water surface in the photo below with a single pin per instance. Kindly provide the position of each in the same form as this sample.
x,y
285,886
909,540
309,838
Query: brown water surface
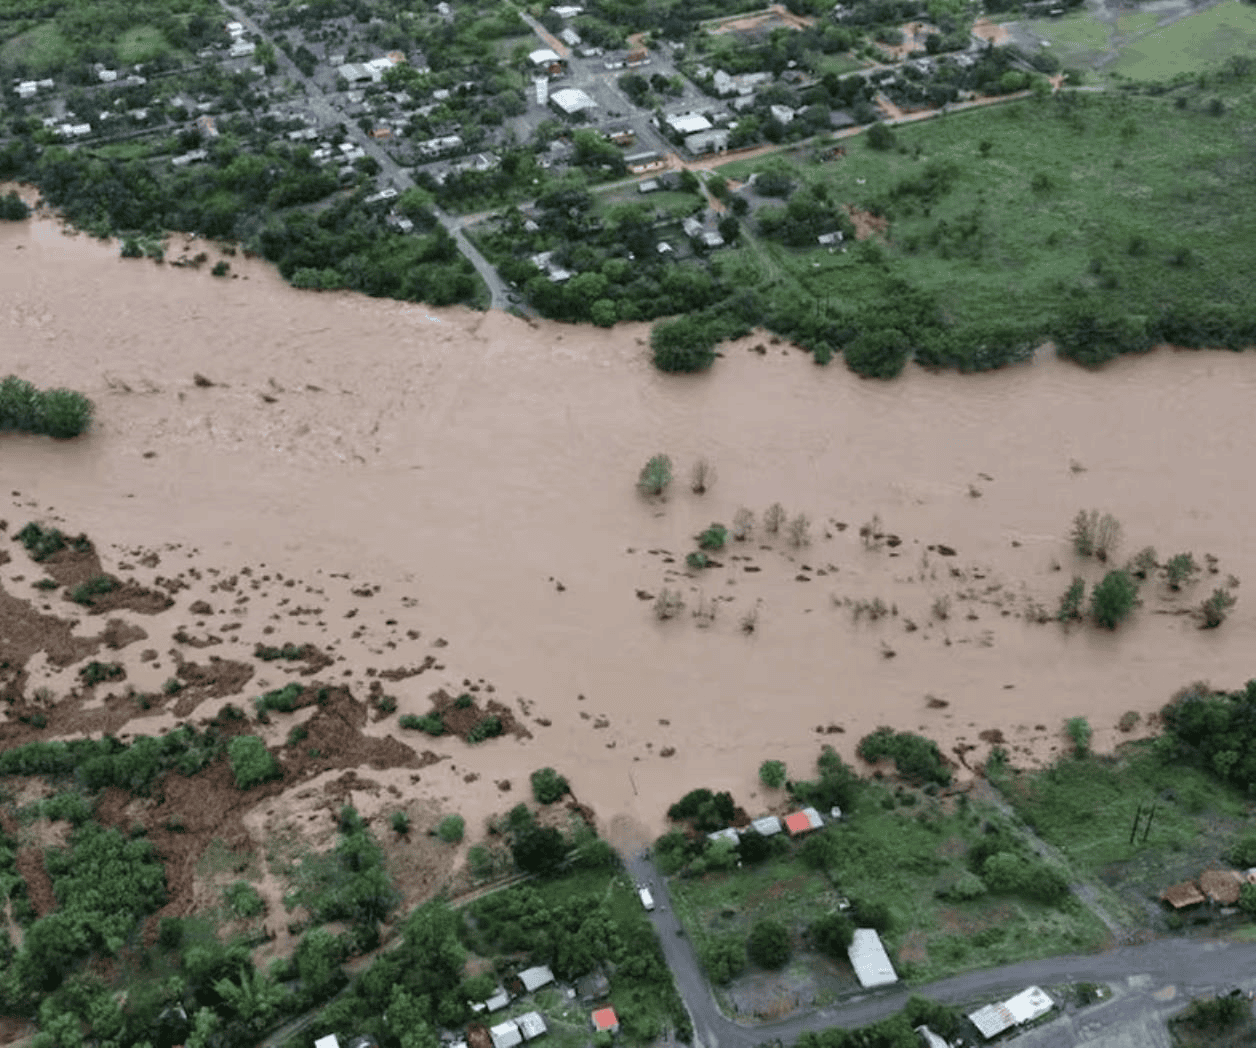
x,y
480,471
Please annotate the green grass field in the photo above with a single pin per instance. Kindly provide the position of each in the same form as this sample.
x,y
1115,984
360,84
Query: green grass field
x,y
1193,44
1139,201
1077,39
1086,808
900,856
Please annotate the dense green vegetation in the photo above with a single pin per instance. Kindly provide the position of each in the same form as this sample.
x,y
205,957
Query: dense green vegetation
x,y
548,786
60,413
917,759
13,208
251,762
986,255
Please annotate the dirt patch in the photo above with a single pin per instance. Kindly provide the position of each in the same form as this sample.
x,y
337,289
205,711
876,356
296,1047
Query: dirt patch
x,y
128,596
957,922
118,633
866,223
914,949
403,672
24,630
215,680
460,720
30,865
987,30
73,565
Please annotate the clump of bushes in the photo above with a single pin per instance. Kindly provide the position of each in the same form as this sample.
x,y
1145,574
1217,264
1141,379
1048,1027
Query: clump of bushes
x,y
284,699
98,585
1113,598
768,944
40,543
708,811
548,786
13,208
243,899
288,651
1079,733
917,759
1180,570
1071,601
59,413
1095,535
431,723
251,762
714,537
451,829
1215,608
400,822
96,672
772,774
488,728
655,475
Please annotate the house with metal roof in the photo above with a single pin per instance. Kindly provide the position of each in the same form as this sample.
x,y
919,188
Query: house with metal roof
x,y
531,1025
768,826
869,959
804,821
1026,1006
506,1035
535,978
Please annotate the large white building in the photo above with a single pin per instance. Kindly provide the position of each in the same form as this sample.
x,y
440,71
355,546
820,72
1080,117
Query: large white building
x,y
869,959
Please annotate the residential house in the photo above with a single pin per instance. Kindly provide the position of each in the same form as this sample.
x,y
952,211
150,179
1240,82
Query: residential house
x,y
605,1019
534,978
640,163
869,959
712,141
768,826
1026,1006
804,821
505,1035
571,101
531,1025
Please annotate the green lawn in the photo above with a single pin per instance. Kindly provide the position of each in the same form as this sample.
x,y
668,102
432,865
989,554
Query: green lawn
x,y
899,853
141,44
1192,44
1076,39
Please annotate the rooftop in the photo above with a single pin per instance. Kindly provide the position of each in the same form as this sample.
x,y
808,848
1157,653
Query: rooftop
x,y
869,959
605,1019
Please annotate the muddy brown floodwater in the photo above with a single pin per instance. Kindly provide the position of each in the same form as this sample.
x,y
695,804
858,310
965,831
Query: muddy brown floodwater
x,y
437,482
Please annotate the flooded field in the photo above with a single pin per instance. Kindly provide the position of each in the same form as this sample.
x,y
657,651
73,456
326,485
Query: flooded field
x,y
409,486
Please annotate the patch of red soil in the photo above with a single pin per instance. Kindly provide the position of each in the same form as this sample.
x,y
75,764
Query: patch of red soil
x,y
866,223
30,865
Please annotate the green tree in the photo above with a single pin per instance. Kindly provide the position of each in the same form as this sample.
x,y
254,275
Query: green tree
x,y
1079,732
1180,570
1113,598
251,762
539,849
881,137
655,475
548,786
724,958
1071,601
878,354
604,313
451,829
832,934
12,208
772,774
768,944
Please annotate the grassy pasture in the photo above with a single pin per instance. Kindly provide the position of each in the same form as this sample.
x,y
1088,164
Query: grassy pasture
x,y
1138,200
1190,45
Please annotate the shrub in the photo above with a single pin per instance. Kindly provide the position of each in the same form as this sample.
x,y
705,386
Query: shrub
x,y
743,524
284,699
97,585
880,137
701,476
1143,563
873,914
451,829
40,544
243,899
799,530
768,944
13,208
773,518
832,934
968,887
66,413
60,413
298,734
1113,598
1180,569
251,762
1243,852
488,728
172,686
1079,733
668,604
917,759
655,476
684,344
1071,601
772,774
1215,608
714,537
548,786
480,860
429,722
697,560
400,822
880,353
288,651
95,672
463,702
724,958
220,268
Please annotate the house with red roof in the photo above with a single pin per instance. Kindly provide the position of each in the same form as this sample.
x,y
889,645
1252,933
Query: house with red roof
x,y
803,822
605,1019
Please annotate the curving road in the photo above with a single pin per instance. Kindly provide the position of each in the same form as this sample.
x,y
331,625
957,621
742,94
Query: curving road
x,y
1156,977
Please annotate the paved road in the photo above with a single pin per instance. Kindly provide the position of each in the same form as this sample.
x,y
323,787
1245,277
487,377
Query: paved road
x,y
328,113
1148,975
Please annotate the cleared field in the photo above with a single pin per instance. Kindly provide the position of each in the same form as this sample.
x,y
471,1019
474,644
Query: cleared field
x,y
1193,44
